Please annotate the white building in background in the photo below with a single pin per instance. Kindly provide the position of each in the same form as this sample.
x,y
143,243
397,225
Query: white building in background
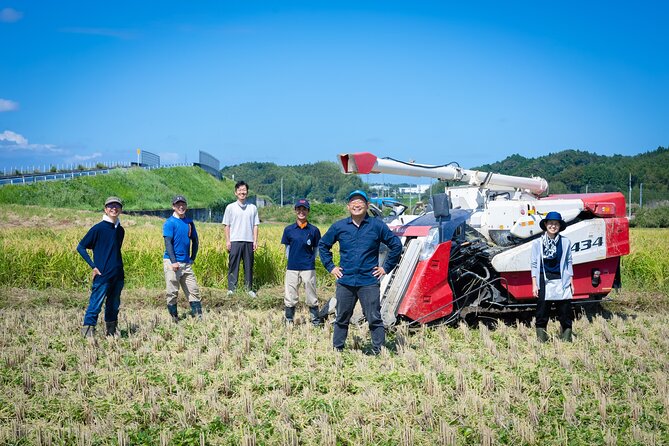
x,y
380,187
417,189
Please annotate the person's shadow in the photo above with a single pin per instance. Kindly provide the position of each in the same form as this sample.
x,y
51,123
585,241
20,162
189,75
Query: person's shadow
x,y
128,330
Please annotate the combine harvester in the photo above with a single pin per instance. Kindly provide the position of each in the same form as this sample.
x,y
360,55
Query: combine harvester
x,y
470,254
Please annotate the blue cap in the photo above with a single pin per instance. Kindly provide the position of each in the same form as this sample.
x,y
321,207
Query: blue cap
x,y
357,193
302,202
178,198
553,216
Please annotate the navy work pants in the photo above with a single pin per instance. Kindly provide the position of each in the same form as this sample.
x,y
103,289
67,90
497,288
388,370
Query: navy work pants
x,y
369,297
240,252
563,308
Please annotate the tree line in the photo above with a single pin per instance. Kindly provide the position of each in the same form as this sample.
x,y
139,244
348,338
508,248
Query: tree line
x,y
322,181
568,171
576,171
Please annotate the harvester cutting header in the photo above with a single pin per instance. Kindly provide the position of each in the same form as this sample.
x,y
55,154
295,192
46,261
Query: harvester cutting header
x,y
471,251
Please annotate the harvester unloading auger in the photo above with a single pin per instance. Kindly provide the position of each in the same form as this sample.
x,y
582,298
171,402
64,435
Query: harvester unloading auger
x,y
471,252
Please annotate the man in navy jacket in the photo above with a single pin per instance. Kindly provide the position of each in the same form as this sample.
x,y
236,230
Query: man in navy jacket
x,y
105,240
301,239
358,273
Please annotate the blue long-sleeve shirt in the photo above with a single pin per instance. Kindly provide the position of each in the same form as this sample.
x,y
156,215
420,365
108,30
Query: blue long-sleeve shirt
x,y
359,249
105,240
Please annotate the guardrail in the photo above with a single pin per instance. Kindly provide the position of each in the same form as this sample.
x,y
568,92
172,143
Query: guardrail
x,y
55,176
34,178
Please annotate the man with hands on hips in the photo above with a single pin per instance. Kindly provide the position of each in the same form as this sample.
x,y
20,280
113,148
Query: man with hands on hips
x,y
358,273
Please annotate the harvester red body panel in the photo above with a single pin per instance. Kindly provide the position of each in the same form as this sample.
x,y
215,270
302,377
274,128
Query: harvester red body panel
x,y
429,296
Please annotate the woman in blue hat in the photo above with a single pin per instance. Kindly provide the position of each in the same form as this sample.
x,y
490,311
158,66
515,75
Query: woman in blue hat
x,y
552,276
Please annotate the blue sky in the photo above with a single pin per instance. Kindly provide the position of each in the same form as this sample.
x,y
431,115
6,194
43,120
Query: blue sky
x,y
297,82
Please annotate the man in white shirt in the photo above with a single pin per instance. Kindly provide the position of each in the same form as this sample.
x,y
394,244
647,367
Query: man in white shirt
x,y
241,237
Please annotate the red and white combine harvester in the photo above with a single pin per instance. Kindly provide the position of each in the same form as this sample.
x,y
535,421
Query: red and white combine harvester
x,y
471,252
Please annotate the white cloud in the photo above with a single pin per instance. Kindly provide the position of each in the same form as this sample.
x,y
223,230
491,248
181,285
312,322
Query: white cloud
x,y
15,142
7,105
86,157
10,15
10,136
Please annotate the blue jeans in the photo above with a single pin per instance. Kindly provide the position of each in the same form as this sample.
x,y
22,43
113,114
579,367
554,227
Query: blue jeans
x,y
112,290
369,297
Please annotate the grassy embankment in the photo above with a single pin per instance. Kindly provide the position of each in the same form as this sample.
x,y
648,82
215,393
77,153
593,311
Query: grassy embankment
x,y
138,188
142,189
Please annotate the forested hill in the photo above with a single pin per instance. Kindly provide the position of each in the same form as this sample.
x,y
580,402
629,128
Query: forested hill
x,y
574,170
322,181
569,171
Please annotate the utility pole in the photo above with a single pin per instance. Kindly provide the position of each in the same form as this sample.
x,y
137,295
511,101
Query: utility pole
x,y
629,208
282,195
640,194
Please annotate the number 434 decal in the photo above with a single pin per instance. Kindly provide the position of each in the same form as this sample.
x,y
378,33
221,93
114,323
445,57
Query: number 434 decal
x,y
586,244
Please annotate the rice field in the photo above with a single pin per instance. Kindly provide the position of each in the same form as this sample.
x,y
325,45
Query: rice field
x,y
241,376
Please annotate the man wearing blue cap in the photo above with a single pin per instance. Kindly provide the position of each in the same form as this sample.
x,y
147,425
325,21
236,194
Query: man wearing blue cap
x,y
359,273
181,246
301,239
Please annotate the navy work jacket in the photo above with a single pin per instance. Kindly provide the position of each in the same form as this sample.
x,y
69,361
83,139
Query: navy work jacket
x,y
359,249
302,245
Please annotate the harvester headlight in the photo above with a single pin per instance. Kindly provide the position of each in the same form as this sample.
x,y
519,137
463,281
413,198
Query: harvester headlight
x,y
429,244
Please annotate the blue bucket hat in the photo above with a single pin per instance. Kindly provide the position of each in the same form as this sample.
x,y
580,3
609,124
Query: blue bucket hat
x,y
357,193
553,216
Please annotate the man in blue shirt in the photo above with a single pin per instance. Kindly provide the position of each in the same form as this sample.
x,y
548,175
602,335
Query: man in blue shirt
x,y
105,240
358,273
301,239
181,245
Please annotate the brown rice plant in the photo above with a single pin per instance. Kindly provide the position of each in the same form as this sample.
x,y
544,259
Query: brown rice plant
x,y
647,265
41,255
